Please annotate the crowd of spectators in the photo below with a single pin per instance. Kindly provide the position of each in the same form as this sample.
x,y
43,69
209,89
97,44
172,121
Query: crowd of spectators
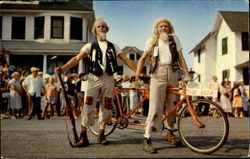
x,y
30,93
232,97
20,97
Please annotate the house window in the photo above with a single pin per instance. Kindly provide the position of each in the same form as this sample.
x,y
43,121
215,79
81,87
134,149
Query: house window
x,y
144,70
39,27
244,41
225,74
224,46
1,19
199,56
132,56
138,56
18,28
57,27
76,28
246,76
119,70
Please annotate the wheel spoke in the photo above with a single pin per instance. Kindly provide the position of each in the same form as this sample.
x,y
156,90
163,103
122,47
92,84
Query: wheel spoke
x,y
208,138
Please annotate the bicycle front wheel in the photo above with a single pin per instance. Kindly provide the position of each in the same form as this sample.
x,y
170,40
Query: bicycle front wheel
x,y
110,127
207,139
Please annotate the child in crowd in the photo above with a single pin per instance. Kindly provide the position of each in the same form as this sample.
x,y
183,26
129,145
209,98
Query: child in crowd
x,y
51,97
237,102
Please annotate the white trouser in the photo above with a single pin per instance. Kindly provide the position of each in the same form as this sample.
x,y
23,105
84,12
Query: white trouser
x,y
163,77
102,87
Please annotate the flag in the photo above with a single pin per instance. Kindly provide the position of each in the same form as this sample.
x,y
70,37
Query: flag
x,y
4,56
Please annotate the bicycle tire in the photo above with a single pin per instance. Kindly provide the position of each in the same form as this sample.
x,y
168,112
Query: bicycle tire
x,y
208,139
109,128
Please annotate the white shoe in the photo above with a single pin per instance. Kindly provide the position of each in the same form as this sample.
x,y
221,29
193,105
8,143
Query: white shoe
x,y
13,117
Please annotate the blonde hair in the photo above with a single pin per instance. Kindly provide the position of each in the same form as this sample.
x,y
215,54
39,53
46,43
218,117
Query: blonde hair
x,y
155,31
51,79
95,25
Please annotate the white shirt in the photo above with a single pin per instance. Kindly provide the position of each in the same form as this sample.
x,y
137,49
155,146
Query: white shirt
x,y
58,86
164,53
125,84
103,45
217,87
34,85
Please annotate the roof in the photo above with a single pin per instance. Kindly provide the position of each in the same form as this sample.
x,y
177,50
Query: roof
x,y
203,41
131,49
28,47
66,6
242,65
237,21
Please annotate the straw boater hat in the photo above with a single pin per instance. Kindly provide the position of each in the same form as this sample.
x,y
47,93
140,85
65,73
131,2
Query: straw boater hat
x,y
34,69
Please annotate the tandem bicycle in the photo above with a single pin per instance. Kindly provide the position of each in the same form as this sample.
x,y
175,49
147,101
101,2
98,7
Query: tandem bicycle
x,y
197,128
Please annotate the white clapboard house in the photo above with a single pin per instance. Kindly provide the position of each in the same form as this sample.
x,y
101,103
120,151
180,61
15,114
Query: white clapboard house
x,y
33,31
224,51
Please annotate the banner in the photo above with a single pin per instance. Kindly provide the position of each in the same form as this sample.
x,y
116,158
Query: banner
x,y
202,89
4,56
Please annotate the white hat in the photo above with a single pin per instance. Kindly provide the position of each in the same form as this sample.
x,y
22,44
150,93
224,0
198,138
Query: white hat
x,y
46,76
14,73
34,69
241,80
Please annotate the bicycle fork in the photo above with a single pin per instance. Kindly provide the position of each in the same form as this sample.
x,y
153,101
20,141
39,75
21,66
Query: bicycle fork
x,y
194,114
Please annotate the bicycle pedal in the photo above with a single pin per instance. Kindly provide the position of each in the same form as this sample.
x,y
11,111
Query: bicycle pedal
x,y
173,130
109,123
169,129
136,122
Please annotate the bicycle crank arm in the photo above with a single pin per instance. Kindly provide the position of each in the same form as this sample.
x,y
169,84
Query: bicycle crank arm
x,y
169,129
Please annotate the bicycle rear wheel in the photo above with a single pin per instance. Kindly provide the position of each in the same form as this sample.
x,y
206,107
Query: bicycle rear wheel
x,y
110,127
209,138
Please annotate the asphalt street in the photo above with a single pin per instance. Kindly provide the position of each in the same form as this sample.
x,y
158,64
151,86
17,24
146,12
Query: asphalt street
x,y
21,138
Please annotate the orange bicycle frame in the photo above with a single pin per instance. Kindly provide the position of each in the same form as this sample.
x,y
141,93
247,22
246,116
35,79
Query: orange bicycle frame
x,y
146,96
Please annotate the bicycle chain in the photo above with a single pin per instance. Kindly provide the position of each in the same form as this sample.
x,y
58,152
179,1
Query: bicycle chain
x,y
123,122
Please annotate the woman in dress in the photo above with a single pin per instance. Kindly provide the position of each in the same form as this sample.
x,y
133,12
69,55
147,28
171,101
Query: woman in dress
x,y
15,94
225,98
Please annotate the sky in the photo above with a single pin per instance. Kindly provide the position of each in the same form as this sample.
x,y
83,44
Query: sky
x,y
131,21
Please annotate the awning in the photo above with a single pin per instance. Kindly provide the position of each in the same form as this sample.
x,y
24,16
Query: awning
x,y
242,65
36,48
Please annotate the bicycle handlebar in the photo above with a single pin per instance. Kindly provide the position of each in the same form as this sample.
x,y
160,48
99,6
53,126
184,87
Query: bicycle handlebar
x,y
192,74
